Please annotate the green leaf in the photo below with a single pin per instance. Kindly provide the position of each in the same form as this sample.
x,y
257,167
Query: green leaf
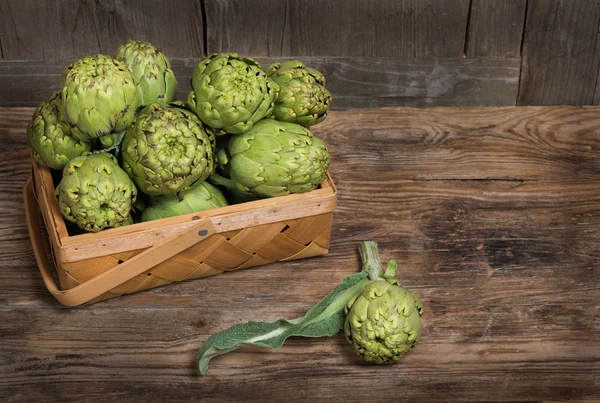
x,y
324,319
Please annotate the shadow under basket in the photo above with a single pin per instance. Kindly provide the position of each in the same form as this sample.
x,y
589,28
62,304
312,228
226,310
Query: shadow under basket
x,y
92,267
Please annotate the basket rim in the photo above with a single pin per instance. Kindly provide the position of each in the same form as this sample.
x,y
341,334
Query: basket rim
x,y
228,218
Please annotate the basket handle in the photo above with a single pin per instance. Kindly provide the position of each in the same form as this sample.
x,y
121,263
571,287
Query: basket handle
x,y
119,274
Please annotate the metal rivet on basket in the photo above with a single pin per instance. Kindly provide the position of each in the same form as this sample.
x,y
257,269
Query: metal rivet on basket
x,y
202,232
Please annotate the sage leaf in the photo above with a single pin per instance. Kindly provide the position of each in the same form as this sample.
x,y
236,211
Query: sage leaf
x,y
324,319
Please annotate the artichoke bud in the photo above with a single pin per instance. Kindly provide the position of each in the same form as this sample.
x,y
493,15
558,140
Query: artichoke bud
x,y
51,139
230,93
277,158
200,196
302,98
98,96
166,150
95,193
383,322
151,71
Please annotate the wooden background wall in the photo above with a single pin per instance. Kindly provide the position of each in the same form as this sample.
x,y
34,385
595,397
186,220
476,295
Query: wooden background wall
x,y
373,52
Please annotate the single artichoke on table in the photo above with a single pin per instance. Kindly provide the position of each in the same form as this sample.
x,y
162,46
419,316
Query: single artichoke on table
x,y
200,196
302,97
231,94
151,71
276,158
383,322
99,98
95,193
166,150
380,317
50,137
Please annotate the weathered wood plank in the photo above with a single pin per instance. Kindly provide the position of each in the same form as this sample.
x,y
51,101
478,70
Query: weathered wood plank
x,y
174,26
465,351
405,28
561,52
496,28
33,29
513,143
354,82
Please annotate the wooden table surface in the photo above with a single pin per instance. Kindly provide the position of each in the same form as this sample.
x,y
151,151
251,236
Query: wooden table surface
x,y
493,215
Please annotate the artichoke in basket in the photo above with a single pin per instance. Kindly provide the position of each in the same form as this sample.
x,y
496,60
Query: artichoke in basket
x,y
166,150
200,196
151,71
302,98
231,94
276,158
95,193
50,137
99,97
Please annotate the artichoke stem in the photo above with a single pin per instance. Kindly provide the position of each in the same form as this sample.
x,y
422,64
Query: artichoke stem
x,y
369,255
112,141
390,269
217,179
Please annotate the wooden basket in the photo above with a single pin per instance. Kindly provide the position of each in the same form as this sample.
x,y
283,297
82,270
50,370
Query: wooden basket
x,y
93,267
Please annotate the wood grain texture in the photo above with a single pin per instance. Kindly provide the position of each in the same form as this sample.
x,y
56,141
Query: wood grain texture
x,y
404,28
561,52
491,213
496,28
354,82
33,29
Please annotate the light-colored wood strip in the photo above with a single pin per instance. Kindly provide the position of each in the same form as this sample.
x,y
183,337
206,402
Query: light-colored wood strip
x,y
253,238
256,260
323,239
313,249
227,256
279,248
204,270
306,229
90,268
175,268
201,250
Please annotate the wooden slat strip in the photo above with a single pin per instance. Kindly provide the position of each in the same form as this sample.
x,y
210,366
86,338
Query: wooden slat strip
x,y
355,82
561,56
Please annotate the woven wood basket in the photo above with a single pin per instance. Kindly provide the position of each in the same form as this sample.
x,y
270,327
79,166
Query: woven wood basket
x,y
93,267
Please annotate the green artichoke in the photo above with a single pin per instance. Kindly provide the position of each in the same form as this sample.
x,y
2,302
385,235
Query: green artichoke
x,y
198,197
210,132
166,150
151,71
231,94
95,193
302,98
383,322
277,158
99,97
50,137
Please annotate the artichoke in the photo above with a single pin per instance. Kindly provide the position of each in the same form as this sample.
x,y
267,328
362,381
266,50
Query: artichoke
x,y
198,197
166,150
302,98
277,158
231,94
50,138
383,322
99,97
95,193
151,71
